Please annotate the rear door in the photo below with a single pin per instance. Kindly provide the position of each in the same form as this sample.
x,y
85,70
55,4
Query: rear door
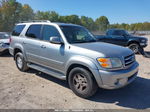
x,y
32,43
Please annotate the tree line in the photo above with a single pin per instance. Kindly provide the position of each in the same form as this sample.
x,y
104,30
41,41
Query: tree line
x,y
12,12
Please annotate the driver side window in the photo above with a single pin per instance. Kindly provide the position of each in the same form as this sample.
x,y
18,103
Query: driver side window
x,y
49,31
118,33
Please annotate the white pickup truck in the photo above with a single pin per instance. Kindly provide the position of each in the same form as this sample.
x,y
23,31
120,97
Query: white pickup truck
x,y
4,42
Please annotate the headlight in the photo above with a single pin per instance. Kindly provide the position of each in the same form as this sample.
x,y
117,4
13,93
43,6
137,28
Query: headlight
x,y
110,62
143,40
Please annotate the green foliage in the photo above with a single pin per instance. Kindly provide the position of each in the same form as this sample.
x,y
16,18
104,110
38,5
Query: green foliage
x,y
12,12
132,27
74,19
102,23
88,23
26,13
48,15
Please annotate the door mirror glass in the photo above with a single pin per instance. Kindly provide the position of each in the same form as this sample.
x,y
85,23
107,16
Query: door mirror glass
x,y
56,40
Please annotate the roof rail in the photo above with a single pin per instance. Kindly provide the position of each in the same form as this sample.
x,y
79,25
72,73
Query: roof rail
x,y
30,21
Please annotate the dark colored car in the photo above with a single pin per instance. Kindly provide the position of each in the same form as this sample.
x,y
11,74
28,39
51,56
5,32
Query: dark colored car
x,y
123,38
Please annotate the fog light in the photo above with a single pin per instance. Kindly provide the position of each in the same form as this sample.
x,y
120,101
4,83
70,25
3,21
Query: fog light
x,y
123,81
117,82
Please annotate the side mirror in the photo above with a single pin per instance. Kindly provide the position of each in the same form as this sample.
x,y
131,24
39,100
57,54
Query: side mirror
x,y
56,40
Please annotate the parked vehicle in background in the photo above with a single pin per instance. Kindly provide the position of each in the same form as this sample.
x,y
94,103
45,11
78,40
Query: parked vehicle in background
x,y
4,42
70,52
123,38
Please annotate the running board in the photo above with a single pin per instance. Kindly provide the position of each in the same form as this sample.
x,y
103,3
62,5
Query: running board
x,y
47,71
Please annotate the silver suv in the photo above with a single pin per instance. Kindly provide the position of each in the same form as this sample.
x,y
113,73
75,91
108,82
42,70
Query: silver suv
x,y
70,52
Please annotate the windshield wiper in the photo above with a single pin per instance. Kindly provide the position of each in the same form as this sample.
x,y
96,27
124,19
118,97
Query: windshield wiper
x,y
91,41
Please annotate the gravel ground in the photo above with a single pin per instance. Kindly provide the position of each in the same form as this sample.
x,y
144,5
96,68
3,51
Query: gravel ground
x,y
33,90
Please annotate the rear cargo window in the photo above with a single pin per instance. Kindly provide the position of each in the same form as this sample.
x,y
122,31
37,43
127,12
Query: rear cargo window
x,y
17,30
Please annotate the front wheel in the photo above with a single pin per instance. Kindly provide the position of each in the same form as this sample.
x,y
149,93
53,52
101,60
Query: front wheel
x,y
134,47
82,82
20,62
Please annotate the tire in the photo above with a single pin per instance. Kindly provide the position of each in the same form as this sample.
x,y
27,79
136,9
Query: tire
x,y
134,47
20,62
82,82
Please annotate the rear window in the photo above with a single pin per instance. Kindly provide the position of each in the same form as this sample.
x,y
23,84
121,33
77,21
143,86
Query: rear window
x,y
4,36
34,31
17,30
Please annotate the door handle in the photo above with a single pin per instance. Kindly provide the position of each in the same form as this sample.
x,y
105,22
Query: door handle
x,y
24,43
43,46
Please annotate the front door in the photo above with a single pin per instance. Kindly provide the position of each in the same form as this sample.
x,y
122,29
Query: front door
x,y
53,55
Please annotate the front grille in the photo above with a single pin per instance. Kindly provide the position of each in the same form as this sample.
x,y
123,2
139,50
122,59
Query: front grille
x,y
129,60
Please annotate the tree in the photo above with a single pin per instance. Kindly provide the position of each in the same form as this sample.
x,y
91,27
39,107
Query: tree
x,y
10,14
74,19
26,13
102,23
53,16
88,23
41,15
48,15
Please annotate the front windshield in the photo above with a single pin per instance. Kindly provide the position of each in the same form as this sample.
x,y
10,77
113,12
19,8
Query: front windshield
x,y
77,34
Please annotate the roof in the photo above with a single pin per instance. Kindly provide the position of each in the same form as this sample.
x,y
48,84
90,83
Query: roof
x,y
47,22
65,24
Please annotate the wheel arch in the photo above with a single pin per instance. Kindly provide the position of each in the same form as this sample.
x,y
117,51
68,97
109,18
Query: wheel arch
x,y
74,66
90,66
133,41
17,49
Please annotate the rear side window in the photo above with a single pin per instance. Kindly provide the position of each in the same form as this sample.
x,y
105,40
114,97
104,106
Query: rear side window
x,y
17,30
49,31
4,36
34,31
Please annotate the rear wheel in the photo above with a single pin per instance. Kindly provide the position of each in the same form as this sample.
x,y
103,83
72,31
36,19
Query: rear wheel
x,y
82,82
134,47
20,62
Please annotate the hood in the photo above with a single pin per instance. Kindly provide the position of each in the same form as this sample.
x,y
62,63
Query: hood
x,y
4,40
100,49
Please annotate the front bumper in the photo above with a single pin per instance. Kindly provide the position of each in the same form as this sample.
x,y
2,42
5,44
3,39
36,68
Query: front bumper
x,y
144,44
119,78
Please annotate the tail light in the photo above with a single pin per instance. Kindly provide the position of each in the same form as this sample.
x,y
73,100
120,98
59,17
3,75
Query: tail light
x,y
10,40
